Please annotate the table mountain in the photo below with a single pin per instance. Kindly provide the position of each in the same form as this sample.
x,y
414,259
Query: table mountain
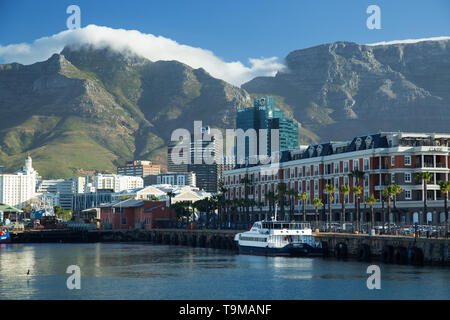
x,y
344,89
86,109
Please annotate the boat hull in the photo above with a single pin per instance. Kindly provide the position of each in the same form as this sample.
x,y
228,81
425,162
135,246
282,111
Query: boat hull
x,y
303,250
5,237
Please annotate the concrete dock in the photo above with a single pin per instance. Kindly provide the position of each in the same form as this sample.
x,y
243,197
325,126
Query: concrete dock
x,y
388,249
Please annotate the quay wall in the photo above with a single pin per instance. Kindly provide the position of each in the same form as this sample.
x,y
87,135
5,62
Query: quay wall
x,y
388,249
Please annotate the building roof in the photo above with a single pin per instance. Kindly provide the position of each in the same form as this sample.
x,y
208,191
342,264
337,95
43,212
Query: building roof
x,y
128,203
8,208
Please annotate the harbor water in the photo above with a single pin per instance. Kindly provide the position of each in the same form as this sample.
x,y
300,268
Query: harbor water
x,y
147,271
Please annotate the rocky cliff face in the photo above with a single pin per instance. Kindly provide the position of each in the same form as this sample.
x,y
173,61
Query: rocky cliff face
x,y
87,110
343,89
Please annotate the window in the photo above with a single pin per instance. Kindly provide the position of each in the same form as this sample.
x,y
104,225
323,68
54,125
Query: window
x,y
316,185
346,166
407,177
407,160
124,221
336,168
408,195
366,165
316,170
393,161
356,164
393,178
308,185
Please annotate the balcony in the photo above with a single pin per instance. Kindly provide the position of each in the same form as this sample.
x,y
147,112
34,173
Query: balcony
x,y
428,164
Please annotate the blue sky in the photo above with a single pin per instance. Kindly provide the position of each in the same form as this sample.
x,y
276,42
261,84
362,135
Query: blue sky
x,y
233,30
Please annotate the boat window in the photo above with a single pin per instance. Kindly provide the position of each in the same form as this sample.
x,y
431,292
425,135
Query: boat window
x,y
244,238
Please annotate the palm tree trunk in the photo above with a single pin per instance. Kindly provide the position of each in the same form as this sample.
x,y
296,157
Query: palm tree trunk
x,y
389,214
304,210
343,211
357,213
425,203
329,212
372,220
446,213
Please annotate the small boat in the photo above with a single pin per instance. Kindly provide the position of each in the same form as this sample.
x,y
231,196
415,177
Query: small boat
x,y
279,238
4,236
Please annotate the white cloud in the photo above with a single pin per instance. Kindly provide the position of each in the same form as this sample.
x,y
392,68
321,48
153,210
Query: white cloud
x,y
384,43
149,46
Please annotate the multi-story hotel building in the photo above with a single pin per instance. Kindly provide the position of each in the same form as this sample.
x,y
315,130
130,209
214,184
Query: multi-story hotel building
x,y
19,188
385,158
139,168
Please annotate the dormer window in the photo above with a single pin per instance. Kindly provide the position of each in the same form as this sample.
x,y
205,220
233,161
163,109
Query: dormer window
x,y
368,142
319,150
358,143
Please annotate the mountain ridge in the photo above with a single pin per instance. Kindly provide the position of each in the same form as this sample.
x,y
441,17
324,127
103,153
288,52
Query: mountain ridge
x,y
91,110
347,87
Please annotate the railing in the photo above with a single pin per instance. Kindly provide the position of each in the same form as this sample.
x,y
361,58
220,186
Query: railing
x,y
80,225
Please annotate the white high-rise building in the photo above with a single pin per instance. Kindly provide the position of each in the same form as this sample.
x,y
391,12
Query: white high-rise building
x,y
117,183
18,188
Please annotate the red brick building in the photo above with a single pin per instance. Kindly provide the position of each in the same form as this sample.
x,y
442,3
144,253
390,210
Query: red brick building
x,y
136,214
385,158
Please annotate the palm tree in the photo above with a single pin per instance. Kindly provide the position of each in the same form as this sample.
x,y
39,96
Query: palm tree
x,y
316,203
371,200
260,205
235,206
445,189
396,189
304,197
281,194
357,191
330,189
246,181
291,195
389,192
358,175
384,197
425,177
252,206
344,189
270,196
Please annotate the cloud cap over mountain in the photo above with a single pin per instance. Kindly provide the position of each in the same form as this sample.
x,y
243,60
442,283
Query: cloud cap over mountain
x,y
152,47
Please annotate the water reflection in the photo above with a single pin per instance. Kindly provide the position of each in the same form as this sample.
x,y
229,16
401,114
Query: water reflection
x,y
144,271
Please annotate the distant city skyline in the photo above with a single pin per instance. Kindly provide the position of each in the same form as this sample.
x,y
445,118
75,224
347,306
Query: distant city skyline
x,y
232,40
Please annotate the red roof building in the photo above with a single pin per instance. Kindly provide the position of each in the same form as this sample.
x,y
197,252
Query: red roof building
x,y
136,214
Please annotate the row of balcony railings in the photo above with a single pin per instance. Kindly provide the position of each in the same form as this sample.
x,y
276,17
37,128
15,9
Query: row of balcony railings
x,y
268,178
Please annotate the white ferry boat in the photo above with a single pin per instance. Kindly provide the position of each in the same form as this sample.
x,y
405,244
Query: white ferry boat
x,y
279,238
